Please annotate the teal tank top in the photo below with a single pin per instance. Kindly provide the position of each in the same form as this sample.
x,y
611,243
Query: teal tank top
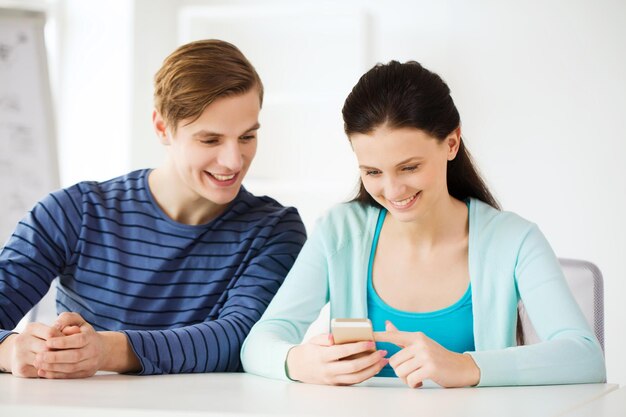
x,y
451,327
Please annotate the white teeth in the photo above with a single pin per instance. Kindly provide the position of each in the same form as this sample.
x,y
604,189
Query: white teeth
x,y
223,177
404,202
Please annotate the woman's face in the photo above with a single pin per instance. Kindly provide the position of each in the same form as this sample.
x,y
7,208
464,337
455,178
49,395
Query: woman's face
x,y
404,169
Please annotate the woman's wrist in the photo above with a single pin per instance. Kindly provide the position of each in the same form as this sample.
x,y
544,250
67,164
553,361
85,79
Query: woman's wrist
x,y
472,370
291,363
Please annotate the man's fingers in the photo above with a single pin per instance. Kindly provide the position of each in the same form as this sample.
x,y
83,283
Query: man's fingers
x,y
70,330
66,368
63,375
68,319
42,331
25,368
30,346
62,356
26,371
74,341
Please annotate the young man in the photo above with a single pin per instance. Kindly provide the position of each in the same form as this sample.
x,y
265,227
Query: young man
x,y
164,270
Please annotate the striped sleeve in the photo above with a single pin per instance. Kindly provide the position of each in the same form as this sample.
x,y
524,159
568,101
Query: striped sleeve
x,y
214,345
35,255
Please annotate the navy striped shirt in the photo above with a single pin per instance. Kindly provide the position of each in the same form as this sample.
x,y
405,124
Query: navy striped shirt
x,y
186,296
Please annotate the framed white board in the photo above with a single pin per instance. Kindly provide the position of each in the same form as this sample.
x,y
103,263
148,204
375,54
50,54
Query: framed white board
x,y
28,156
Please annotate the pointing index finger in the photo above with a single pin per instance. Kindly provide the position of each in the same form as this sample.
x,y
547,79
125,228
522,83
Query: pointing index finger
x,y
400,339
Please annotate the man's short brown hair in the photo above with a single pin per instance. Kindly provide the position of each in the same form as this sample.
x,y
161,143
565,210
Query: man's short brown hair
x,y
198,73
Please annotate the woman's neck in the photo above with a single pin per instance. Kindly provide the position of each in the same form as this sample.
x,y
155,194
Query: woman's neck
x,y
445,221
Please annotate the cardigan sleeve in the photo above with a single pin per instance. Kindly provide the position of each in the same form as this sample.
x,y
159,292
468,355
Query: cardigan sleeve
x,y
296,305
569,352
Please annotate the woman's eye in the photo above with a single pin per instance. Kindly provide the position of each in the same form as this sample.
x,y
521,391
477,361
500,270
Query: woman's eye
x,y
410,168
372,172
248,137
209,141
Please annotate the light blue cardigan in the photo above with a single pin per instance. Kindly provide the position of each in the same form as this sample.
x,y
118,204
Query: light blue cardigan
x,y
509,260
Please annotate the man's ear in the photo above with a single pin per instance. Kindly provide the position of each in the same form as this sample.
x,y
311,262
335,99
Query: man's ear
x,y
160,128
453,142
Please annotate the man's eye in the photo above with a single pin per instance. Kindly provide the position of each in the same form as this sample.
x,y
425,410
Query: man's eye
x,y
209,141
410,168
248,137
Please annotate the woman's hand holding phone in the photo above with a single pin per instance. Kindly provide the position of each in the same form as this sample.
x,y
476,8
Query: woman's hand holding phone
x,y
321,361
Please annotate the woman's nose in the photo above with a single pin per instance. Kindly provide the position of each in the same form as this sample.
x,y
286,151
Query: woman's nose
x,y
394,189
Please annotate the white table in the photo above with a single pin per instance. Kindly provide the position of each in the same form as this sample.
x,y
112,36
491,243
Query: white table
x,y
248,395
612,404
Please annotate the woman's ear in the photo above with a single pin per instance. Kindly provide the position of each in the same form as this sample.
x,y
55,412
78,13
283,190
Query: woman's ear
x,y
453,142
160,127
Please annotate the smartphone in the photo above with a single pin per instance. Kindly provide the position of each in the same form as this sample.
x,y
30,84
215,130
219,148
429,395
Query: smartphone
x,y
351,330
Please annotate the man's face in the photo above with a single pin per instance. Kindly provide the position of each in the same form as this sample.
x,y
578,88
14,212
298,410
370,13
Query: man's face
x,y
212,154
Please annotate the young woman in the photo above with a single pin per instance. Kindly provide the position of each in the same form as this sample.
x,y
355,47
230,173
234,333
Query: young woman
x,y
424,252
164,270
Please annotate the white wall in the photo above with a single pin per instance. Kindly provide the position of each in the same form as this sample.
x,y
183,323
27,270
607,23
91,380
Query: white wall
x,y
93,88
541,88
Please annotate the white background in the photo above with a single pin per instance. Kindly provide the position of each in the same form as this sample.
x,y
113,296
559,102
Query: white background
x,y
540,85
